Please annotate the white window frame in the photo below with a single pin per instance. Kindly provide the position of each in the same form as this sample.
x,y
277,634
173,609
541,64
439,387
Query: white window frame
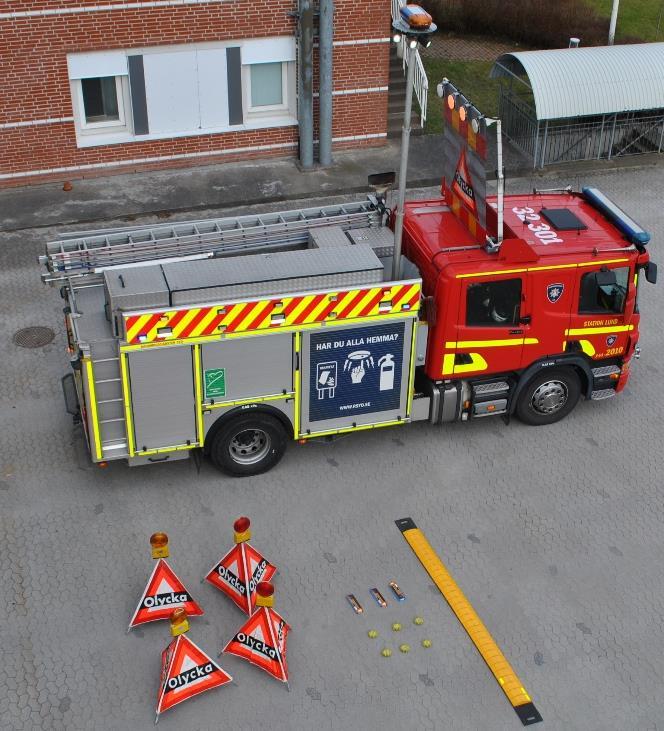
x,y
111,125
269,108
121,131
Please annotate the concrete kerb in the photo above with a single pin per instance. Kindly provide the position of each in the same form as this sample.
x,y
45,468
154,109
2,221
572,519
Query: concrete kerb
x,y
174,193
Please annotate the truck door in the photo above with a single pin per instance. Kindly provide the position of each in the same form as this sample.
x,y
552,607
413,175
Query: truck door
x,y
489,335
547,311
601,311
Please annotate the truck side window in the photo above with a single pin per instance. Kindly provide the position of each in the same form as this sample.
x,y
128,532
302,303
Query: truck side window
x,y
493,304
594,299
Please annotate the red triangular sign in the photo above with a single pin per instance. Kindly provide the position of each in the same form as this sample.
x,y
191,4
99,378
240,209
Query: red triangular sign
x,y
462,185
238,573
262,641
164,593
186,671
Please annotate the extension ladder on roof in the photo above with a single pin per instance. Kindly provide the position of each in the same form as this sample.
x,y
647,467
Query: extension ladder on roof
x,y
78,254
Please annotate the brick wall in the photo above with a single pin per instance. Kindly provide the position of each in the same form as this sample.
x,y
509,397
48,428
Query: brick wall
x,y
36,88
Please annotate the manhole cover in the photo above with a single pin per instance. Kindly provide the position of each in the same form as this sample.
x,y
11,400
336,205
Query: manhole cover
x,y
33,337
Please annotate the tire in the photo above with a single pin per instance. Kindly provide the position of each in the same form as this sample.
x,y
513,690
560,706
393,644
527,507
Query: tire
x,y
248,444
549,397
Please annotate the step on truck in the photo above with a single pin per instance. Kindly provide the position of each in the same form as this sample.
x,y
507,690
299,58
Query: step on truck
x,y
235,335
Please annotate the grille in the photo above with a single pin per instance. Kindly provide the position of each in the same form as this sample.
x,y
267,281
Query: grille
x,y
33,337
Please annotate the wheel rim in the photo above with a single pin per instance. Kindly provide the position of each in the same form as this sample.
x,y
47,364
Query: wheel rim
x,y
549,398
249,446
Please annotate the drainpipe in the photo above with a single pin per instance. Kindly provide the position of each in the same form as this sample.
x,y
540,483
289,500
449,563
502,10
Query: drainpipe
x,y
305,101
325,35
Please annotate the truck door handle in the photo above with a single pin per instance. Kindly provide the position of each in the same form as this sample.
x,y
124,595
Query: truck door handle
x,y
525,320
516,332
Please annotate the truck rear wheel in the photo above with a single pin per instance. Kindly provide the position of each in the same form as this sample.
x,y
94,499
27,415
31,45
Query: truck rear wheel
x,y
248,445
549,397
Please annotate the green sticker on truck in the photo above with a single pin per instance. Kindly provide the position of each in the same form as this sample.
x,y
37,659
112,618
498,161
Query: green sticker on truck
x,y
215,383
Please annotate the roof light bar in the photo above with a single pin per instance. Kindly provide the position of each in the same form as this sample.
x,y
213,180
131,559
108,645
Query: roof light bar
x,y
634,233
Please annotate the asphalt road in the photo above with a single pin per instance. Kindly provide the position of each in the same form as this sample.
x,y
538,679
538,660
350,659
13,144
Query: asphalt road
x,y
554,534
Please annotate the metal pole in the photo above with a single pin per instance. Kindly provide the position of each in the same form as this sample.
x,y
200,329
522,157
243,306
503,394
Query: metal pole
x,y
305,87
403,169
501,180
546,134
613,134
325,34
614,20
537,142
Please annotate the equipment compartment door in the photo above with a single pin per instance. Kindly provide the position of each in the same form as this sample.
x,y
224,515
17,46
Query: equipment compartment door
x,y
163,397
355,375
249,367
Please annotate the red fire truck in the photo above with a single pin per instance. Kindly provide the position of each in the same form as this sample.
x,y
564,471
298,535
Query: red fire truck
x,y
228,337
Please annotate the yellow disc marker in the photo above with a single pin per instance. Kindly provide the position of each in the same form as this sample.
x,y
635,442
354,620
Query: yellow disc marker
x,y
396,627
404,648
426,643
418,620
386,652
372,634
478,633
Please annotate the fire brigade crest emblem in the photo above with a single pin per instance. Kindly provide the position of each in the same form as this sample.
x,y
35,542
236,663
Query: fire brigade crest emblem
x,y
611,340
554,292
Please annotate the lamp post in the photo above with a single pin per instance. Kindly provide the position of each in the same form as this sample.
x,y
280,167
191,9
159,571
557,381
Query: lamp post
x,y
413,36
614,20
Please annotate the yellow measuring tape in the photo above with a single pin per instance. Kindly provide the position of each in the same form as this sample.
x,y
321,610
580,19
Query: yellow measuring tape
x,y
478,633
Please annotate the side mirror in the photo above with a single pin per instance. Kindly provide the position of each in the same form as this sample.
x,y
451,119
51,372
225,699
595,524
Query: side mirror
x,y
605,278
651,272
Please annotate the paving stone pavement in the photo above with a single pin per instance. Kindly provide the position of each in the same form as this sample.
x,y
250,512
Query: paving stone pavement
x,y
554,534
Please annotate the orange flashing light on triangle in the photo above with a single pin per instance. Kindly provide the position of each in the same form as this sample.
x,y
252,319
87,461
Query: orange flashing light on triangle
x,y
238,573
164,593
186,671
462,185
262,641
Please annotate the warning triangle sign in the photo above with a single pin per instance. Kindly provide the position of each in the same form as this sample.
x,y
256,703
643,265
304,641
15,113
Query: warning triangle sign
x,y
262,641
462,184
238,573
186,671
164,593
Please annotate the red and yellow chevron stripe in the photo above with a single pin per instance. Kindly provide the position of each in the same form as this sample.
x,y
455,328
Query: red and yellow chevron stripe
x,y
271,314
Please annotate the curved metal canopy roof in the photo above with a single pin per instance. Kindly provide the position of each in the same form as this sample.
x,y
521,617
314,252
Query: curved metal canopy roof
x,y
579,82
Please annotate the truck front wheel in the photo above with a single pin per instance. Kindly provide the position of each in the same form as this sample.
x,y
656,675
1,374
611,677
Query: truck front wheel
x,y
248,445
549,397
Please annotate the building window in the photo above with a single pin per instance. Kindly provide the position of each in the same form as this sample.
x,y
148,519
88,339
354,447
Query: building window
x,y
183,90
100,99
267,85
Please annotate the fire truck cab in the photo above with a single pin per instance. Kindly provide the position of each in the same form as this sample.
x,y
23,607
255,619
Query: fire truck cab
x,y
551,316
